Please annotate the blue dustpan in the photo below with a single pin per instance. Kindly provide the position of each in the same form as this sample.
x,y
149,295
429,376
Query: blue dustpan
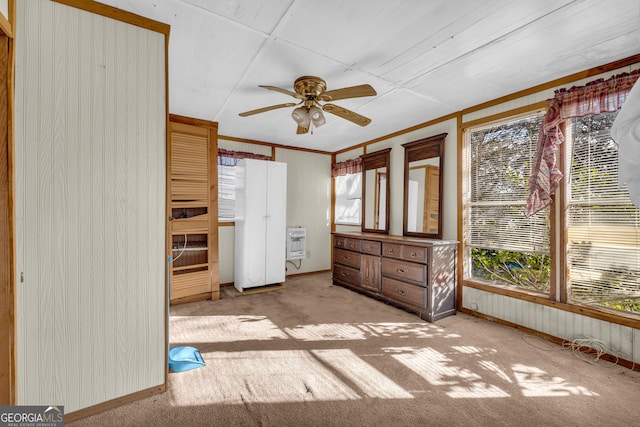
x,y
184,358
181,358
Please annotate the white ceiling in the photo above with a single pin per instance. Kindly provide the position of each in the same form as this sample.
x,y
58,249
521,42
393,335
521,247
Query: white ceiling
x,y
425,58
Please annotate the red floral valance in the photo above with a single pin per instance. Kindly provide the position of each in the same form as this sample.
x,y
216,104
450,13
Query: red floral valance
x,y
230,158
595,97
349,166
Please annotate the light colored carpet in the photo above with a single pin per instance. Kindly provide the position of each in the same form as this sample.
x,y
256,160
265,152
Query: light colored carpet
x,y
313,354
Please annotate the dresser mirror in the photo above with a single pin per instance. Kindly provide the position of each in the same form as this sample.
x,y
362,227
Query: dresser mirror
x,y
423,184
375,194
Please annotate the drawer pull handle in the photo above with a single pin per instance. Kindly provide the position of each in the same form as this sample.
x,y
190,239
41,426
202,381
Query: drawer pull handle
x,y
345,257
343,274
400,270
413,254
401,291
370,247
390,251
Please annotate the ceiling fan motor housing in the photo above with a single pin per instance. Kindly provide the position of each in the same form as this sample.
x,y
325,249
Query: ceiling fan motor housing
x,y
310,87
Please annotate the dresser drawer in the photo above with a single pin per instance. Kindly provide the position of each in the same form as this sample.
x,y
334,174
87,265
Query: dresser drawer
x,y
341,256
414,253
347,275
404,270
371,248
353,244
339,242
392,250
404,292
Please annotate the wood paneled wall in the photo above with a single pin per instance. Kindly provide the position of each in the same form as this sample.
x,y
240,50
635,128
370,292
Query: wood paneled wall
x,y
90,155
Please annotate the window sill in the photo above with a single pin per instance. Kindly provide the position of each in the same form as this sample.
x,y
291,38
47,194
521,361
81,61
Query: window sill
x,y
608,315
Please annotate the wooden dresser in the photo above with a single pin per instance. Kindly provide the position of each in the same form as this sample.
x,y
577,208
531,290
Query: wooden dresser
x,y
416,274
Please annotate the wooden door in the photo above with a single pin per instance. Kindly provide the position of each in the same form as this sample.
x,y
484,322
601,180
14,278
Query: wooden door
x,y
193,199
7,333
370,272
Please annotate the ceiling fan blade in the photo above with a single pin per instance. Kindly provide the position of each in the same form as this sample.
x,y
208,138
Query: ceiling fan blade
x,y
301,130
346,114
263,109
348,92
285,91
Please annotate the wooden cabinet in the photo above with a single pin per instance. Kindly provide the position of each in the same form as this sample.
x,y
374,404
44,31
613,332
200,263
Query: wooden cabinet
x,y
193,203
416,274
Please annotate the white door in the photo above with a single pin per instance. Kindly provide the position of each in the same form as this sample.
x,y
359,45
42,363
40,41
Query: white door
x,y
276,223
254,224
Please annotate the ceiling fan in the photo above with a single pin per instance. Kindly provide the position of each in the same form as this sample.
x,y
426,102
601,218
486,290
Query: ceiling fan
x,y
311,90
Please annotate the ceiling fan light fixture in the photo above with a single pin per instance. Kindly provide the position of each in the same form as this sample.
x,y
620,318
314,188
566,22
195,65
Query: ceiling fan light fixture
x,y
301,117
316,116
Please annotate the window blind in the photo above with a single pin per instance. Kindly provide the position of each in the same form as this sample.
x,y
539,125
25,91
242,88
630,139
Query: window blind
x,y
602,224
226,192
348,198
499,167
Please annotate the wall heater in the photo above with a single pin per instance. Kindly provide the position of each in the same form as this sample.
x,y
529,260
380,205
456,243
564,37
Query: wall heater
x,y
296,242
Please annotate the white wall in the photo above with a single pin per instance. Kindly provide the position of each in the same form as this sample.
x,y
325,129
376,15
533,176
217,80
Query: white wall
x,y
308,205
90,139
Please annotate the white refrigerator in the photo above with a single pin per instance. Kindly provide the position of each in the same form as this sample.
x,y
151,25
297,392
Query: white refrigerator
x,y
260,224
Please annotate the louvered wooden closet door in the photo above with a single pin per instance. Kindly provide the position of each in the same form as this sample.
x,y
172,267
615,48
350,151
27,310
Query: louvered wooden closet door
x,y
193,149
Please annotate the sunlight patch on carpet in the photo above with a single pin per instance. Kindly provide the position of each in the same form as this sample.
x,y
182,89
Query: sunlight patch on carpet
x,y
367,378
441,371
259,377
494,368
537,383
212,329
406,330
363,331
327,332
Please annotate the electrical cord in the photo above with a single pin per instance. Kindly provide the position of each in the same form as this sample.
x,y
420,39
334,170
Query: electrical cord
x,y
297,267
582,348
183,248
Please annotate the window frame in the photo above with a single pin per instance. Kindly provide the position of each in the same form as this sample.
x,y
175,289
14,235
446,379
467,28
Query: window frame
x,y
335,204
496,120
558,293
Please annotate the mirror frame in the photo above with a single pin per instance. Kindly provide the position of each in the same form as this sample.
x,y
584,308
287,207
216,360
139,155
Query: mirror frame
x,y
375,160
419,150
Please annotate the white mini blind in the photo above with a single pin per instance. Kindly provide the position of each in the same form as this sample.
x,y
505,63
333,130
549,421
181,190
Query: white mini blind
x,y
226,192
499,165
602,224
348,199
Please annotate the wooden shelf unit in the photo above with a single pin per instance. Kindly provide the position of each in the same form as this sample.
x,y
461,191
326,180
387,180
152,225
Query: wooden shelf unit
x,y
193,206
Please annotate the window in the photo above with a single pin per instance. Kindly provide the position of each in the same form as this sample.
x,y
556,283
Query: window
x,y
348,198
226,189
602,224
599,252
348,191
501,245
227,161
